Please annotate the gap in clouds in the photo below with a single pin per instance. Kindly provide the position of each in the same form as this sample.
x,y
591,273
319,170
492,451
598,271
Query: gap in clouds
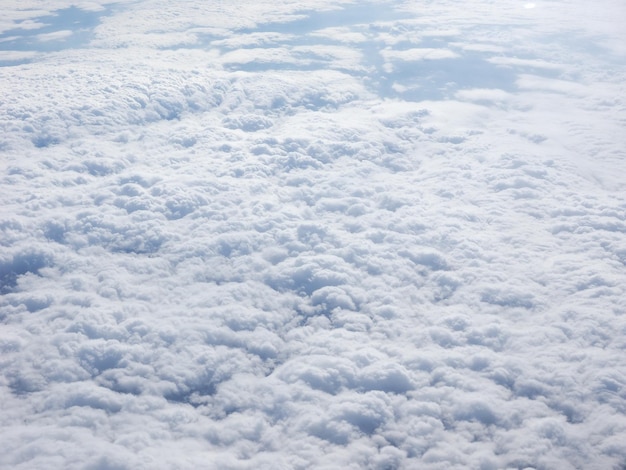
x,y
379,42
65,28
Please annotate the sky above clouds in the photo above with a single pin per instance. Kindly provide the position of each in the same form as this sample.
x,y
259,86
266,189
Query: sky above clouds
x,y
254,235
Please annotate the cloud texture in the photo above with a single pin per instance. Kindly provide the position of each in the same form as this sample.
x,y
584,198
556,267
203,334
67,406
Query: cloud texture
x,y
375,235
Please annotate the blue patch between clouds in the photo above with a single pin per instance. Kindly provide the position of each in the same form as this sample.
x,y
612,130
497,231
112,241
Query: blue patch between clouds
x,y
79,22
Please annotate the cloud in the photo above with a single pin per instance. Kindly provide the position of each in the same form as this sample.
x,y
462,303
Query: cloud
x,y
16,56
55,36
484,94
417,54
516,62
231,237
552,85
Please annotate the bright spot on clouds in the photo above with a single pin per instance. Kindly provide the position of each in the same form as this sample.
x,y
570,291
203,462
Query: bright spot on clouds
x,y
529,6
366,235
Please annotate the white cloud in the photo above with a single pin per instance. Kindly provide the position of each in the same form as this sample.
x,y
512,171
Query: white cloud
x,y
483,94
417,54
294,265
55,36
533,82
14,56
252,40
528,63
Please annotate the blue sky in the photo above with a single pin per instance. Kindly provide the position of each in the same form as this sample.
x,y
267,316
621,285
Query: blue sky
x,y
378,235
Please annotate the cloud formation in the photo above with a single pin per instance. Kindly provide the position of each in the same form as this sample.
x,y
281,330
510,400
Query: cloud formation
x,y
234,237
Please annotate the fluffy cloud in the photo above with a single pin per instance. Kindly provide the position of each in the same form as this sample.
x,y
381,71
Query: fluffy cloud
x,y
233,237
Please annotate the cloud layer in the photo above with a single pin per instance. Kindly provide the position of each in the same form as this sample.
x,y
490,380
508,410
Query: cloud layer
x,y
367,236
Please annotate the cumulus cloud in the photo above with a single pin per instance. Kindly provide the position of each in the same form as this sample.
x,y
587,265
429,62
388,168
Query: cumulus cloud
x,y
484,94
231,237
417,54
15,56
55,36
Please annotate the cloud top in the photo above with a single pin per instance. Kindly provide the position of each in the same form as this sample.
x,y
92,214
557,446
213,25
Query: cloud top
x,y
261,236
